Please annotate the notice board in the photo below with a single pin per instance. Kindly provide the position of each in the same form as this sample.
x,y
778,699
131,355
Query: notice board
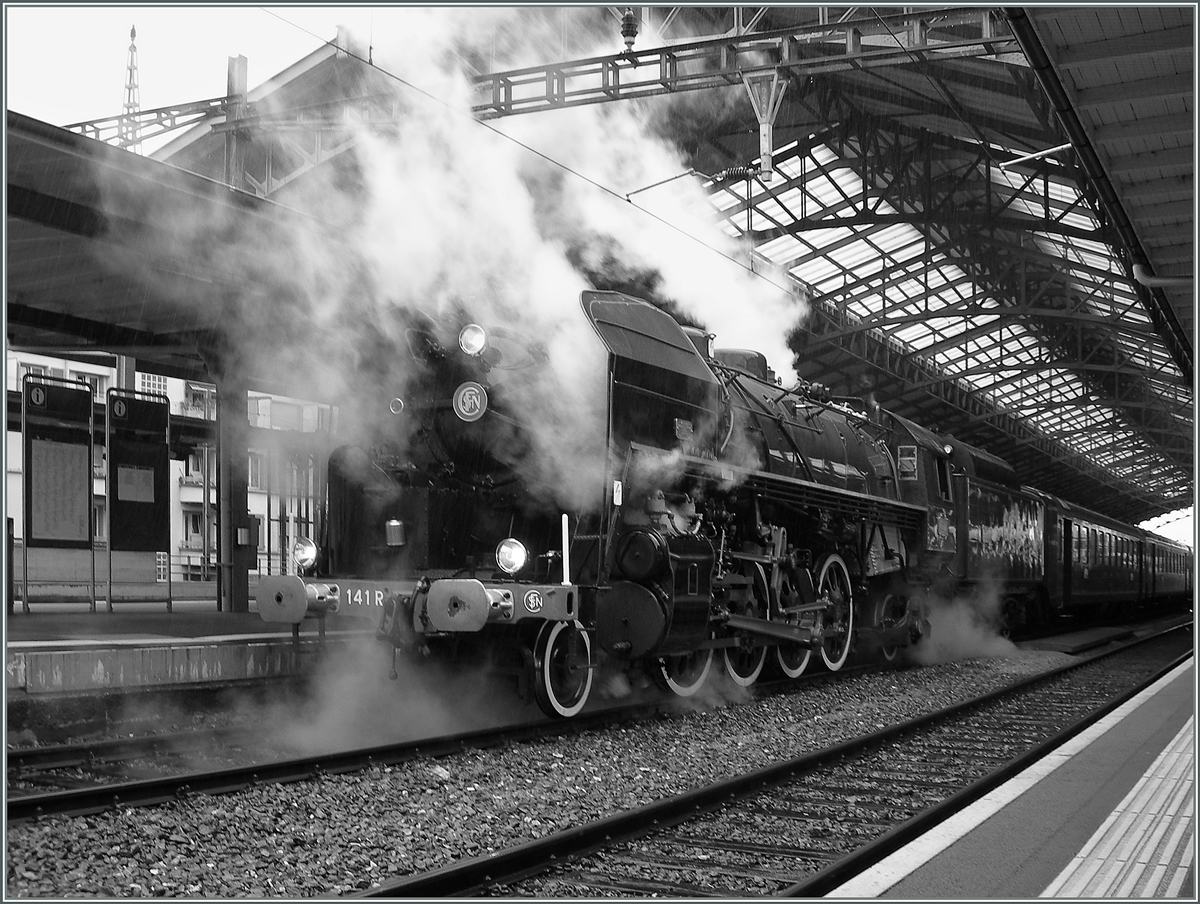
x,y
57,440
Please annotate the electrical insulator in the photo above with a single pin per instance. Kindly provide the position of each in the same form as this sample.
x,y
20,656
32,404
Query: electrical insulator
x,y
629,28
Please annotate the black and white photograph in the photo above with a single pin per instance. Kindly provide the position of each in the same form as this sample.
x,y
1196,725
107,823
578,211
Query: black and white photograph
x,y
599,452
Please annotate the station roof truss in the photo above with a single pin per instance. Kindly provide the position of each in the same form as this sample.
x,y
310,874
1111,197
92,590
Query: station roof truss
x,y
989,212
970,280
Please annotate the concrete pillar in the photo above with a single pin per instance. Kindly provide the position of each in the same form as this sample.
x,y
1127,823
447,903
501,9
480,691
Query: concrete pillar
x,y
237,550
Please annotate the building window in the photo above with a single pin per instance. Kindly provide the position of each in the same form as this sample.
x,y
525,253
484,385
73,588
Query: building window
x,y
286,416
98,382
99,520
258,410
193,468
193,528
38,370
153,383
199,401
256,472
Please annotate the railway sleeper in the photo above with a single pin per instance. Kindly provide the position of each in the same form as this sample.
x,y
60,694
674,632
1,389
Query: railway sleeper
x,y
784,851
710,864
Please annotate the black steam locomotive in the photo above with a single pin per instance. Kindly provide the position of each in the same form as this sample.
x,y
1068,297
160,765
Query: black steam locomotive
x,y
709,518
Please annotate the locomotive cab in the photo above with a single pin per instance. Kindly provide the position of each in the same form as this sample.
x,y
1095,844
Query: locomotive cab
x,y
655,592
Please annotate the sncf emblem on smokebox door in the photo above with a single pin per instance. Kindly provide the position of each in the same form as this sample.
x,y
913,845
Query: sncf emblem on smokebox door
x,y
533,601
470,401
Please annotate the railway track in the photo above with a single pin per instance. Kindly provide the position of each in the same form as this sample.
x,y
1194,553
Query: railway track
x,y
803,826
84,778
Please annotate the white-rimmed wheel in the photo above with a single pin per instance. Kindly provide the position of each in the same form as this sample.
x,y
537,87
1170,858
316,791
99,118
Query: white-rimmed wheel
x,y
833,581
744,662
791,658
684,675
562,673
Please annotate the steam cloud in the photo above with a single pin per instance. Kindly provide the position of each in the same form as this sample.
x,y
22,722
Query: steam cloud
x,y
440,213
964,628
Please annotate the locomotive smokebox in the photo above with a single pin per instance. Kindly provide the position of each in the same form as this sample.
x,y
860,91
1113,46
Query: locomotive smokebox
x,y
640,554
631,620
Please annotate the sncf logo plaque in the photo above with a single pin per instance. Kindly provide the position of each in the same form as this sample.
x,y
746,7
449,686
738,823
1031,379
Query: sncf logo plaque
x,y
470,401
533,601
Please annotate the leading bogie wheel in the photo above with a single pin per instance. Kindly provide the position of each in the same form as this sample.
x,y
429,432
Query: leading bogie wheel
x,y
562,668
684,675
833,580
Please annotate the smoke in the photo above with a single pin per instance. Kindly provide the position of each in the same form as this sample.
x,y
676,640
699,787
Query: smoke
x,y
666,235
439,212
354,703
964,627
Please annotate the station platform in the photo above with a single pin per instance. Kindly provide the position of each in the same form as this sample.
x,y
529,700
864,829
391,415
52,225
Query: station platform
x,y
65,648
1111,814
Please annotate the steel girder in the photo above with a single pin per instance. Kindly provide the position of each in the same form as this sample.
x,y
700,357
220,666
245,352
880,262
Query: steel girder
x,y
946,189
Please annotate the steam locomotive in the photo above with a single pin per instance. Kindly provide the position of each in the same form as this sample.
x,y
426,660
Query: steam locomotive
x,y
710,519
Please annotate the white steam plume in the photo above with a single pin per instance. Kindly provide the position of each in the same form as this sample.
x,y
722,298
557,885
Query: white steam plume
x,y
441,212
964,627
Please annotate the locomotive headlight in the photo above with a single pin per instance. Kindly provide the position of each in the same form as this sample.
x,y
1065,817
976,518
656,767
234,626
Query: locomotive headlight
x,y
511,555
304,553
472,339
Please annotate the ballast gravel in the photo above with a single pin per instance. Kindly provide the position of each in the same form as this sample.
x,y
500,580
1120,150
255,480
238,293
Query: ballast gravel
x,y
342,833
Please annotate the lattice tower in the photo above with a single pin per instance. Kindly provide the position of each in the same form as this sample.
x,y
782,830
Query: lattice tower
x,y
129,132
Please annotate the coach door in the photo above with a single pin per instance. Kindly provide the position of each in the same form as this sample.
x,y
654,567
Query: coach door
x,y
1068,553
1053,543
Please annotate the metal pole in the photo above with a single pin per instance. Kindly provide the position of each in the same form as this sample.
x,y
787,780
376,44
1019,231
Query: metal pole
x,y
167,440
108,499
24,506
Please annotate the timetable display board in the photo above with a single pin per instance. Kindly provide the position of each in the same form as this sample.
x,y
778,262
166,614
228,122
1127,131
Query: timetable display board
x,y
57,442
138,461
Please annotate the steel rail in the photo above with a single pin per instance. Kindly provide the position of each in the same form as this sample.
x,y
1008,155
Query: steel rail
x,y
22,761
159,790
25,764
474,875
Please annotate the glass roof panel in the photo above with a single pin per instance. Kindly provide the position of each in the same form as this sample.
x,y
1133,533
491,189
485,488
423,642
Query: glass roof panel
x,y
885,276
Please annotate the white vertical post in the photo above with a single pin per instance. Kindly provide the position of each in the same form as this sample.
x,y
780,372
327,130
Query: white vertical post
x,y
566,555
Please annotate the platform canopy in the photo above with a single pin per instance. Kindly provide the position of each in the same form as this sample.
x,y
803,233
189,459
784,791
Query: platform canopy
x,y
989,211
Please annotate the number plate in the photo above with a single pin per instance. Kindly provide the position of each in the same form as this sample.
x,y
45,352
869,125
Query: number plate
x,y
360,596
